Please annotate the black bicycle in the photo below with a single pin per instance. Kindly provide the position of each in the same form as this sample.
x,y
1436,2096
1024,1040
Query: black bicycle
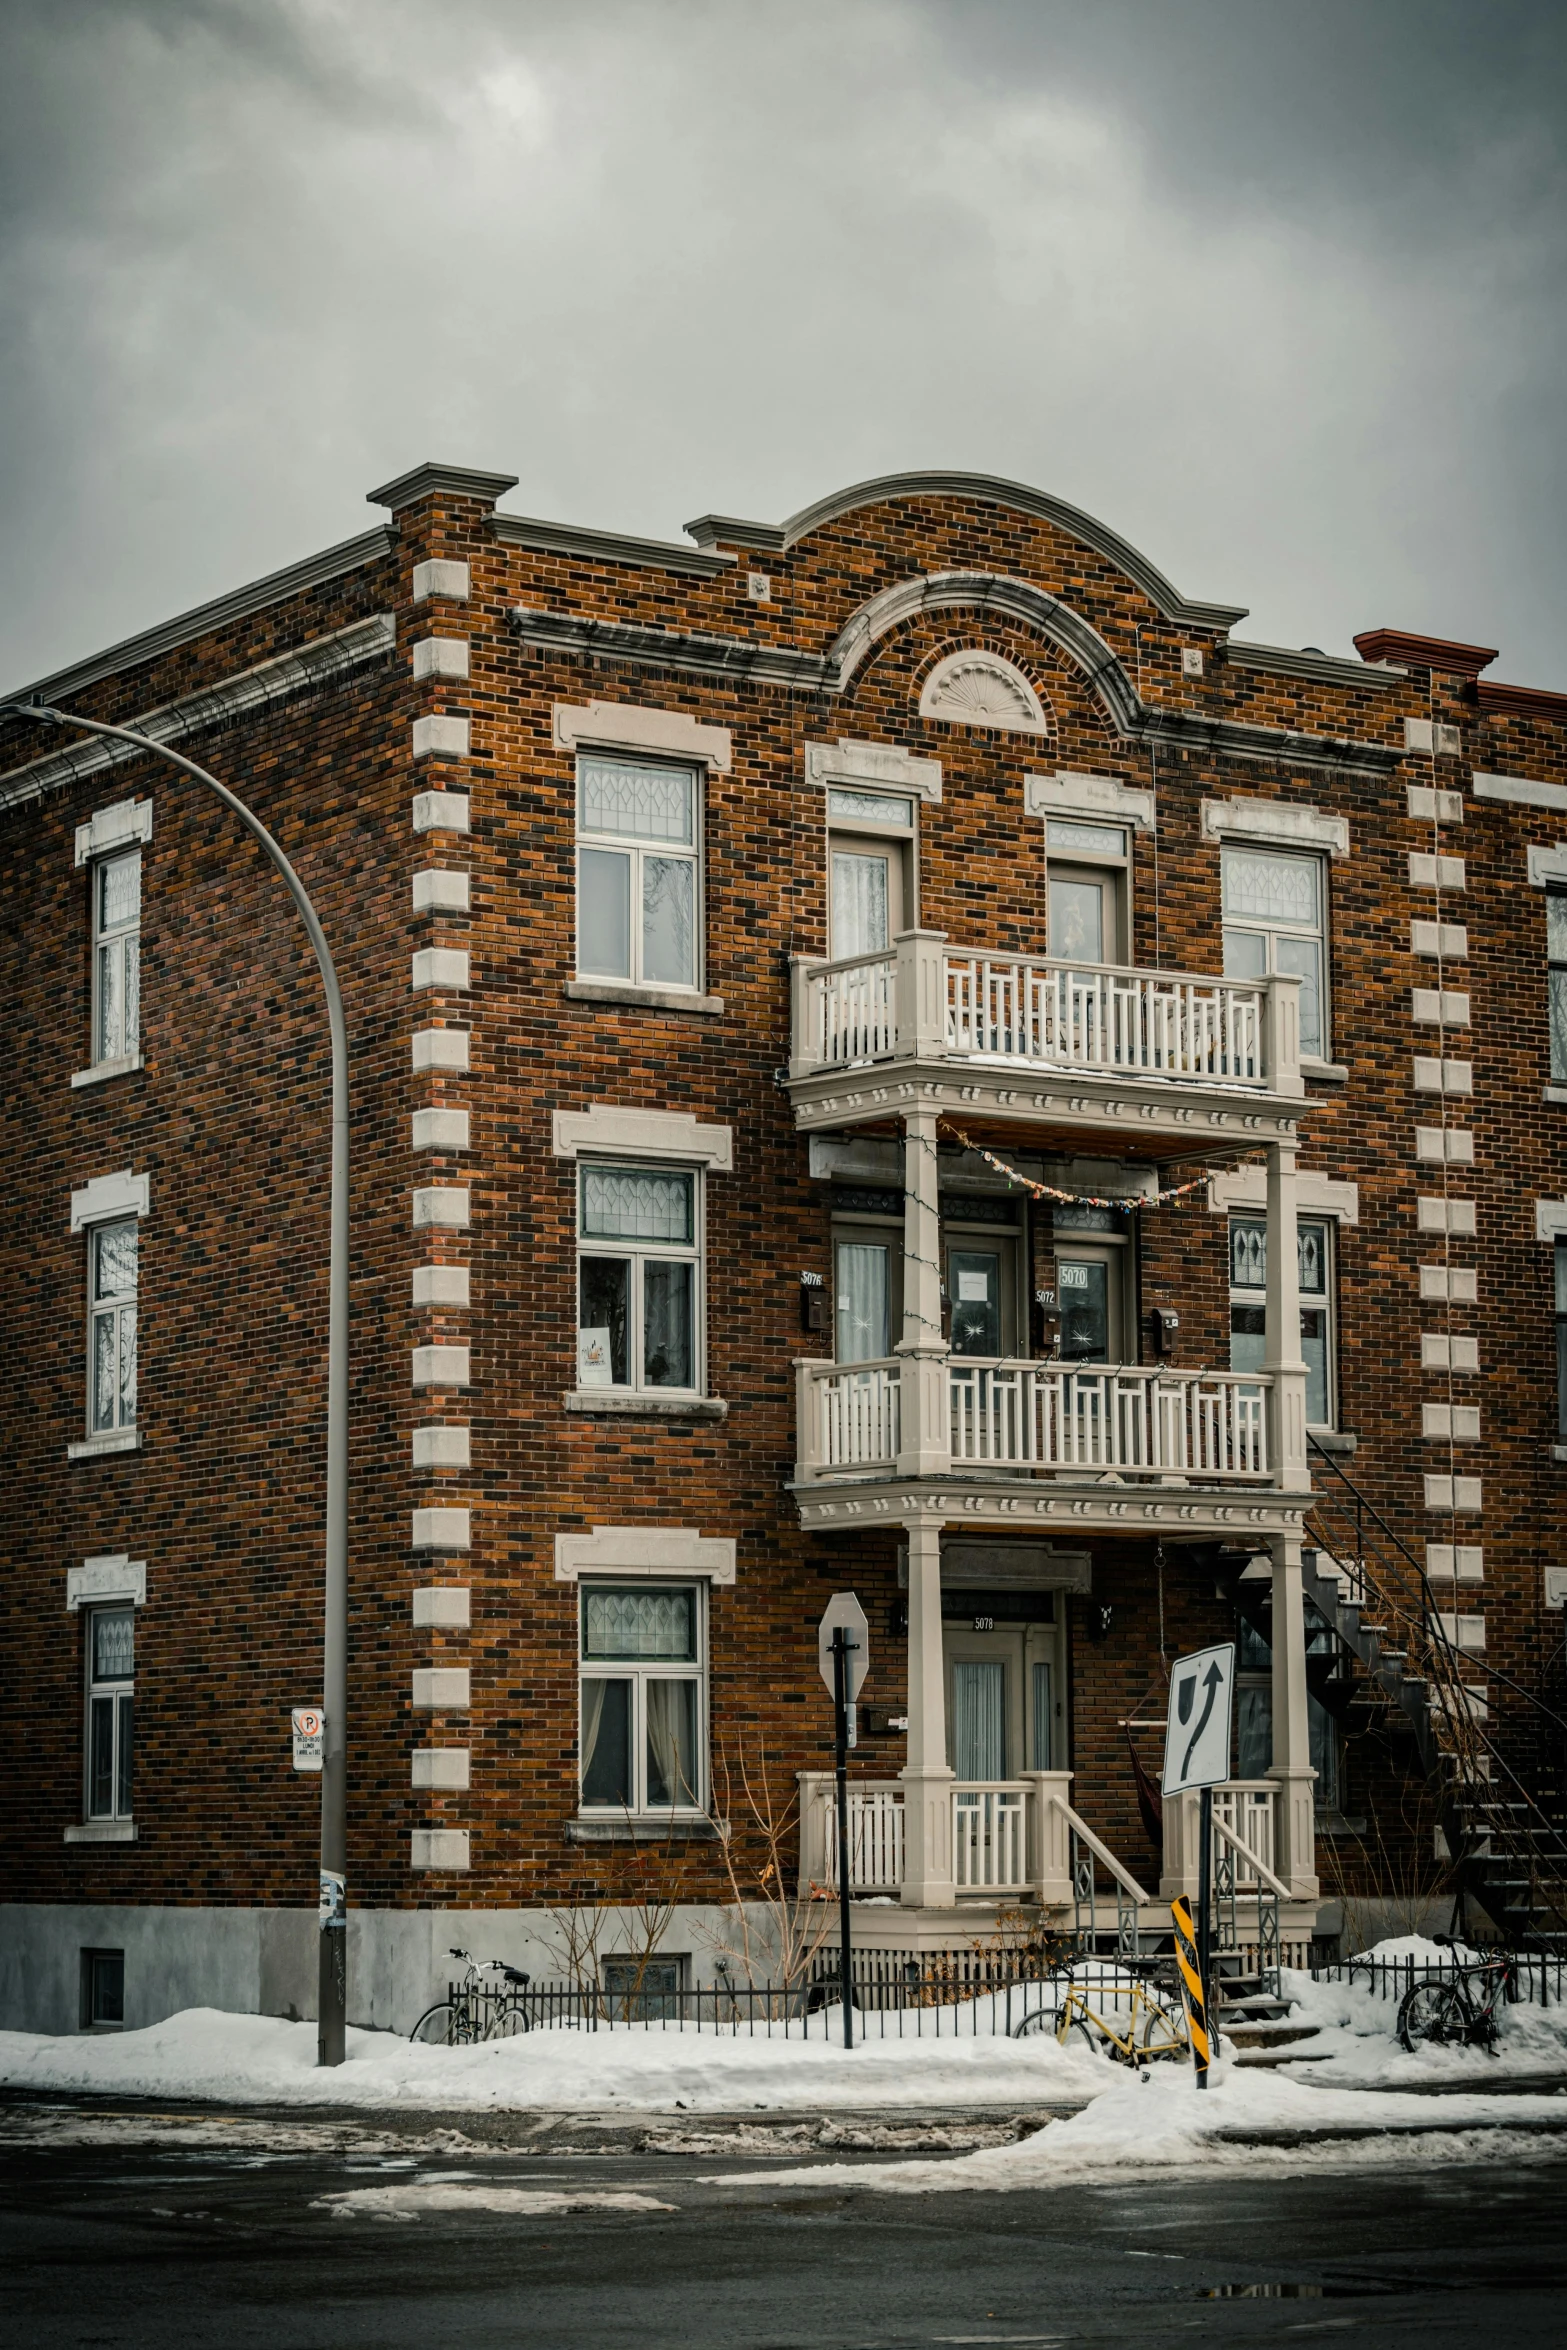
x,y
1456,2011
474,2010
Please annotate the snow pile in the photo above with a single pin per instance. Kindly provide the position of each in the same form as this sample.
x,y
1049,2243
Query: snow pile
x,y
261,2060
1355,2042
1161,2122
455,2193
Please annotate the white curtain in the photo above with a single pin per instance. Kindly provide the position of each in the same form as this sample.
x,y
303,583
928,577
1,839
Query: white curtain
x,y
859,904
862,1302
979,1746
671,1742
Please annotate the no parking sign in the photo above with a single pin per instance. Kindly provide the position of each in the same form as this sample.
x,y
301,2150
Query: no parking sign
x,y
309,1724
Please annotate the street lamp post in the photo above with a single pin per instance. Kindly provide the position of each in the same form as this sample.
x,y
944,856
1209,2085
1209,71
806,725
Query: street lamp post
x,y
333,1995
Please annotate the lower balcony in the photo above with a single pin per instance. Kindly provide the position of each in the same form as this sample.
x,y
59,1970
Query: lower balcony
x,y
1038,1419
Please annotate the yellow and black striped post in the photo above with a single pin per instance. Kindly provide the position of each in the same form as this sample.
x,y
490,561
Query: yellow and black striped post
x,y
1192,1987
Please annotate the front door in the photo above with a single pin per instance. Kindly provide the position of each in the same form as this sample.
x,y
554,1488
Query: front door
x,y
982,1294
1006,1695
1088,1283
1083,908
866,902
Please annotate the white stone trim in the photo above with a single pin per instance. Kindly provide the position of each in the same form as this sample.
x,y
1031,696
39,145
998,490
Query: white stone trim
x,y
106,1196
1457,1285
998,694
114,1576
1452,1423
1440,1351
1431,872
629,726
443,1529
444,1204
440,576
644,1550
1432,736
1436,1076
1463,1562
642,1134
441,737
113,828
1550,1220
1246,1188
1096,799
1447,1007
1520,790
437,891
441,1130
440,967
1277,823
441,1766
441,1446
1453,1146
1465,1631
1459,1494
1429,806
440,1285
1445,1215
441,811
440,1366
440,656
442,1688
1548,867
1440,938
872,767
439,1848
442,1606
440,1048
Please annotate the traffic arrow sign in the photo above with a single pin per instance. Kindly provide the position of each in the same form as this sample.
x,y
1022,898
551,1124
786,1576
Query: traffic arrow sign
x,y
1197,1731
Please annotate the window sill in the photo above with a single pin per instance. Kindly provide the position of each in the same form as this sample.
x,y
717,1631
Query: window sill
x,y
1325,1072
1559,1452
102,1832
1555,1093
621,1830
657,999
619,1403
1335,1440
1334,1823
91,1448
102,1071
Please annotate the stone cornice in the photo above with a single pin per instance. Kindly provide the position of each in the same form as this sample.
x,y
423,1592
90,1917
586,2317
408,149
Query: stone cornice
x,y
1179,1513
307,668
607,546
275,588
991,489
746,661
1332,668
433,480
1279,746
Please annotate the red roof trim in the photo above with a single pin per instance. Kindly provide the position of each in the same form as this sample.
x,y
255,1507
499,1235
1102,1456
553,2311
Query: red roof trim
x,y
1424,652
1522,701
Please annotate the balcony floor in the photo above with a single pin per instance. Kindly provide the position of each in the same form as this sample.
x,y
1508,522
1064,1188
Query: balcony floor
x,y
1085,1506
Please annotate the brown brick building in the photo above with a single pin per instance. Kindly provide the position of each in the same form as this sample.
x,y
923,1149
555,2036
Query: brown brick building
x,y
890,1052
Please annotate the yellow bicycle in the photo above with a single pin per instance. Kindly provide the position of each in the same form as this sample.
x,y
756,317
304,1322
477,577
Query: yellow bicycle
x,y
1124,2017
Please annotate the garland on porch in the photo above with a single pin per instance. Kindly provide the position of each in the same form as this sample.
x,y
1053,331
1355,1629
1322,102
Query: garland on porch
x,y
1078,1199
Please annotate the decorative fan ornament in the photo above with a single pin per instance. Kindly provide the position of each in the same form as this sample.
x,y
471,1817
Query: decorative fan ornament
x,y
980,689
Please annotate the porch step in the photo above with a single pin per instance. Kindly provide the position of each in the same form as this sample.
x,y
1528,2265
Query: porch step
x,y
1265,2035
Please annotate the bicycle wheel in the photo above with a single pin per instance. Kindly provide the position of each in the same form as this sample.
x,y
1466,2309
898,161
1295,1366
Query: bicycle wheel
x,y
1161,2031
437,2027
1041,2023
509,2021
1434,2012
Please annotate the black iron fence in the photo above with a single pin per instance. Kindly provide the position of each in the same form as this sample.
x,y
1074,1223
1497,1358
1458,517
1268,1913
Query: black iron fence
x,y
1535,1978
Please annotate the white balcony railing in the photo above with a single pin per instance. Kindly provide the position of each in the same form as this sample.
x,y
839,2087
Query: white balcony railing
x,y
1244,1818
990,1835
875,1837
1063,1418
990,1838
926,1000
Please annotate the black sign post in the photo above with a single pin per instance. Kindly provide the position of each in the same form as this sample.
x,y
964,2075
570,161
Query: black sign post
x,y
1205,1912
842,1648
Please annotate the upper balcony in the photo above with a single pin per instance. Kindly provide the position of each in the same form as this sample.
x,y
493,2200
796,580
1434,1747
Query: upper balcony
x,y
1044,1041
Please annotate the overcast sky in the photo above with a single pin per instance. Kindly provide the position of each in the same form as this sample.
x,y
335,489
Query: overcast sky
x,y
1275,287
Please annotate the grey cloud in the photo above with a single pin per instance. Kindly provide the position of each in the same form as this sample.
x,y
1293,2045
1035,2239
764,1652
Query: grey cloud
x,y
1278,291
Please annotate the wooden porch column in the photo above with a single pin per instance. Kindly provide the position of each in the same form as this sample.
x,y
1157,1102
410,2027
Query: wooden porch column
x,y
925,1436
926,1779
1281,1344
1295,1824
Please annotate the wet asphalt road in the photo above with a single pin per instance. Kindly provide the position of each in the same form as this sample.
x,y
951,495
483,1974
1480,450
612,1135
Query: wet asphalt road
x,y
118,2229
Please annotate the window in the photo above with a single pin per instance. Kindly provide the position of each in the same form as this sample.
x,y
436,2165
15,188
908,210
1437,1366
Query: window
x,y
111,1668
638,886
1556,979
111,1327
103,1990
116,981
870,842
1561,1338
643,1732
1273,921
638,1264
1254,1711
1248,1316
1087,869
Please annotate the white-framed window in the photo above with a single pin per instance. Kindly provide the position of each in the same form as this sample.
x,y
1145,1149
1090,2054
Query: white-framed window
x,y
116,956
1088,867
639,1277
644,1698
1248,1309
639,872
1275,919
1556,980
871,838
112,1251
111,1708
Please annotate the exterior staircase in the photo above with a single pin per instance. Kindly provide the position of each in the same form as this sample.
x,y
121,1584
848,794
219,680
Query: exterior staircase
x,y
1382,1651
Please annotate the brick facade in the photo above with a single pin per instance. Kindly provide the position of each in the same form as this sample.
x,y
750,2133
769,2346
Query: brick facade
x,y
227,1119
